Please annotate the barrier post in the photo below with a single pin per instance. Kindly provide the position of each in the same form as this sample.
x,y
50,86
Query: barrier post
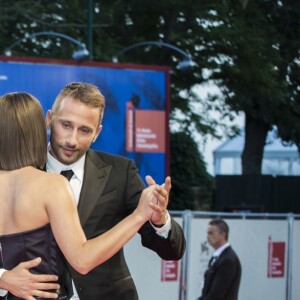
x,y
184,262
289,257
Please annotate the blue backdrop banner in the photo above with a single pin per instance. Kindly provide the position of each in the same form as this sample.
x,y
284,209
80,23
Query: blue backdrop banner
x,y
135,118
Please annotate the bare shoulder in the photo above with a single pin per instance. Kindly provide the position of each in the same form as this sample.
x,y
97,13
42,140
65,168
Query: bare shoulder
x,y
43,175
48,183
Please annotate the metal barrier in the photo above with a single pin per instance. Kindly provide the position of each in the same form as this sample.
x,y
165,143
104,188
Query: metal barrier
x,y
251,234
291,292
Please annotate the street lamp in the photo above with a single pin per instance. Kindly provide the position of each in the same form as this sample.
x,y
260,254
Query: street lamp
x,y
186,64
80,54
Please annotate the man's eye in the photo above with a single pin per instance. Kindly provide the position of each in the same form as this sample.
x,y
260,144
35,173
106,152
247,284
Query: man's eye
x,y
85,130
66,125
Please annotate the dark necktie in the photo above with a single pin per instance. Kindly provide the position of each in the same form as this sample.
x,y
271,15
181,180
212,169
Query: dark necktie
x,y
67,173
212,261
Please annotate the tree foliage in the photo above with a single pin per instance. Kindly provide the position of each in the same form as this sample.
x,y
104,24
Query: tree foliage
x,y
253,53
192,186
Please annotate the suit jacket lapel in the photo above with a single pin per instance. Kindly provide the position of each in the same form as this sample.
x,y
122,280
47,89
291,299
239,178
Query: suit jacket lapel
x,y
95,177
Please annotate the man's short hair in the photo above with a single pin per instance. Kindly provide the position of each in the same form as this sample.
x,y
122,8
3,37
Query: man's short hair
x,y
221,225
85,92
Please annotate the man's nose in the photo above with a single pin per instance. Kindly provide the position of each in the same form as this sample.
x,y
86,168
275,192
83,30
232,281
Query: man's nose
x,y
72,137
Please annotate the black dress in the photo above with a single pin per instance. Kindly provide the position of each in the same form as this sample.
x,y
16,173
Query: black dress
x,y
23,246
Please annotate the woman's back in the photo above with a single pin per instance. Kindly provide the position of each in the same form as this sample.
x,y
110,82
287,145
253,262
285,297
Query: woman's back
x,y
23,197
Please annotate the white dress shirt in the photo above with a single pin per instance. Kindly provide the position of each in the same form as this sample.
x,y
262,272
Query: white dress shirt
x,y
2,292
54,166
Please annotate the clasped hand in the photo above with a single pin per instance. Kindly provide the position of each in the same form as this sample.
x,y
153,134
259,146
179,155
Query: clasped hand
x,y
161,193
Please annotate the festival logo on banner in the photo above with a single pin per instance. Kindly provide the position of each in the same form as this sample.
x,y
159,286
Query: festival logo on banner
x,y
276,258
169,270
145,130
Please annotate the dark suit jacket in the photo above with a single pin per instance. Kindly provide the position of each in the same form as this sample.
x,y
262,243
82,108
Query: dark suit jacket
x,y
111,190
222,279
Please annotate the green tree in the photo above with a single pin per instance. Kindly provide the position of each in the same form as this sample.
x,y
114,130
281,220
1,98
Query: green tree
x,y
253,55
192,186
21,18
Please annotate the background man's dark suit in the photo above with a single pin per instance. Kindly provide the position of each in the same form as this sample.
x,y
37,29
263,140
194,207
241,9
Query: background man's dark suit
x,y
222,279
111,189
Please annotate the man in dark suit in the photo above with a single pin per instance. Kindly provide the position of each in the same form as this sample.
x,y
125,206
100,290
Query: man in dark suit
x,y
107,188
223,275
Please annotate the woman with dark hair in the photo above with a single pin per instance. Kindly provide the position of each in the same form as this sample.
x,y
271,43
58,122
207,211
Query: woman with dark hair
x,y
32,224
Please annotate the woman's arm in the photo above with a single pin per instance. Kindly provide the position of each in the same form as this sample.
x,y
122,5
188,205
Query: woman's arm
x,y
84,255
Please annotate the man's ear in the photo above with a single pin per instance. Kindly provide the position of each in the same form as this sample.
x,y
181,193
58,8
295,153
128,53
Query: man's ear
x,y
48,118
97,133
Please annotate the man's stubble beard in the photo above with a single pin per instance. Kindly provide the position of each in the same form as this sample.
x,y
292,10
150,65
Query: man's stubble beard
x,y
56,151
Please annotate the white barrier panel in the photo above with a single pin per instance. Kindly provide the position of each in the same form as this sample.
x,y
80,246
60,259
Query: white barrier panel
x,y
153,277
295,261
261,246
263,258
198,253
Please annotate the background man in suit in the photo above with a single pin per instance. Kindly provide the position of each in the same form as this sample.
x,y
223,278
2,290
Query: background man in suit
x,y
222,278
107,188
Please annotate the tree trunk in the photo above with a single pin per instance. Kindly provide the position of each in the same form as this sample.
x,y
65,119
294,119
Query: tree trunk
x,y
255,138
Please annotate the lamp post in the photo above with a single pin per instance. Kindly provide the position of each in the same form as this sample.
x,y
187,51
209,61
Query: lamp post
x,y
80,54
186,64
